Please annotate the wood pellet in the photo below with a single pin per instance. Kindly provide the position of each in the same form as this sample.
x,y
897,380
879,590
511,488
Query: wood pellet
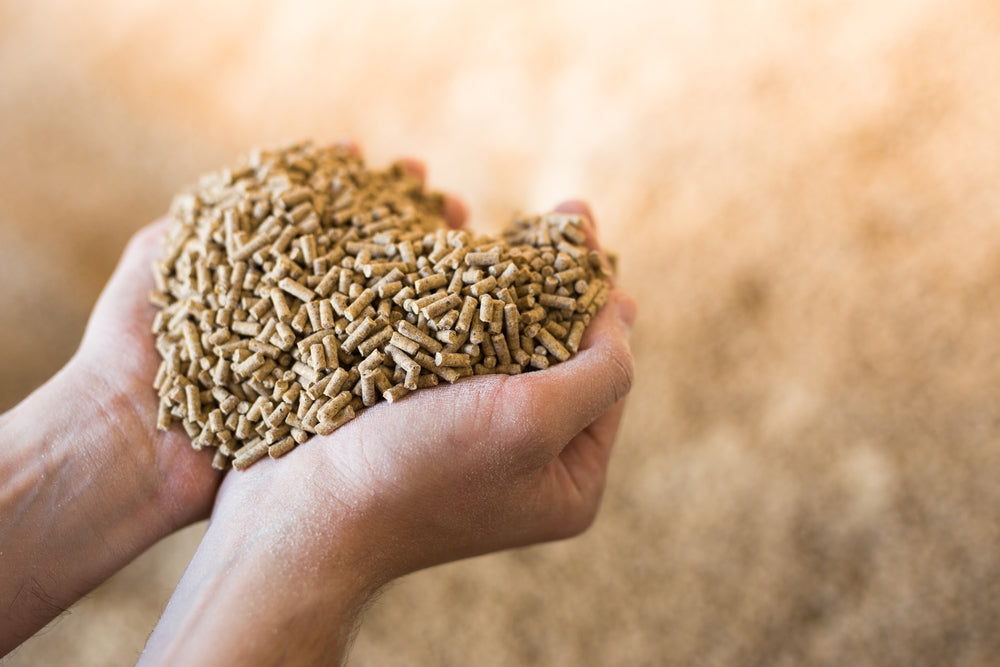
x,y
301,287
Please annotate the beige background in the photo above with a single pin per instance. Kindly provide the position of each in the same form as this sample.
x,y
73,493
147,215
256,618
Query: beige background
x,y
804,197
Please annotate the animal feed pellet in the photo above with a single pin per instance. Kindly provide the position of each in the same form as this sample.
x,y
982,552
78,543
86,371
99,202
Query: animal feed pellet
x,y
301,287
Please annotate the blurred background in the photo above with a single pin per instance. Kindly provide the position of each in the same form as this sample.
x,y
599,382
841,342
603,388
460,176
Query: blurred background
x,y
804,198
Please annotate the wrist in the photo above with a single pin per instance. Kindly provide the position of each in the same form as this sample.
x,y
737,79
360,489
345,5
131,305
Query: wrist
x,y
77,497
263,588
85,443
278,510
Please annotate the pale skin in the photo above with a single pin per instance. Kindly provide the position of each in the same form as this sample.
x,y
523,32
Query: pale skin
x,y
295,548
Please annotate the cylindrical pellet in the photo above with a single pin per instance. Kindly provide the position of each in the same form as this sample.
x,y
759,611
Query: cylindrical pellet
x,y
364,300
362,332
483,258
395,392
431,282
281,308
371,362
451,359
248,456
550,343
469,307
484,286
334,406
377,339
317,357
415,334
281,448
441,306
368,391
326,428
555,301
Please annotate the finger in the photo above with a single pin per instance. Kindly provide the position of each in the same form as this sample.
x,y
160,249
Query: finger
x,y
577,206
580,207
348,145
546,410
590,452
586,456
414,166
133,276
455,213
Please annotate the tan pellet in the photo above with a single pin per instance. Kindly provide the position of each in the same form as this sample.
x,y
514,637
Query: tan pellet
x,y
451,359
281,308
246,328
363,301
555,348
247,456
284,310
337,381
192,340
441,306
556,301
431,282
281,448
483,258
359,334
395,392
326,428
418,336
332,407
299,291
403,343
484,286
469,308
317,357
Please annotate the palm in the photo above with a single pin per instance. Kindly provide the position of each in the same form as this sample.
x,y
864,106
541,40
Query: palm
x,y
118,350
454,471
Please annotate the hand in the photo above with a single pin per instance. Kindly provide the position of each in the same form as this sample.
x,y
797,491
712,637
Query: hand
x,y
118,357
86,481
488,463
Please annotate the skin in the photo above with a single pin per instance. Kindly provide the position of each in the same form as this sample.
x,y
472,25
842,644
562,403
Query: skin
x,y
294,548
88,483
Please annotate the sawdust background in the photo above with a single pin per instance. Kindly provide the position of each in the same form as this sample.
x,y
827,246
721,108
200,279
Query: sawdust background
x,y
804,198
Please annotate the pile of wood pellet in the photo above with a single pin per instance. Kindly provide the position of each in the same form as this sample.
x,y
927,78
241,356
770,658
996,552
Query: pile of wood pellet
x,y
301,287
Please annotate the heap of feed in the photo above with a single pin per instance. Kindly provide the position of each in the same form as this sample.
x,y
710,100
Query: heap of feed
x,y
301,287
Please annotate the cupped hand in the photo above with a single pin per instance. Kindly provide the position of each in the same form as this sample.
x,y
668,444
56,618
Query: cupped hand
x,y
487,463
117,361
